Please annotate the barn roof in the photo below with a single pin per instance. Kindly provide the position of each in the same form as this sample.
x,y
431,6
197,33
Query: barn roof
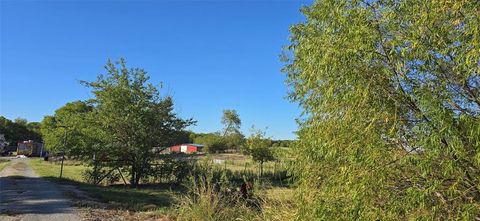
x,y
194,144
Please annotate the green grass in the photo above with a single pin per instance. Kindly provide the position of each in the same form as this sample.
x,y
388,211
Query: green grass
x,y
3,163
144,198
48,169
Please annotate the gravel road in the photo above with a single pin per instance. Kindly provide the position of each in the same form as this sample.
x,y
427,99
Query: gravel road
x,y
25,196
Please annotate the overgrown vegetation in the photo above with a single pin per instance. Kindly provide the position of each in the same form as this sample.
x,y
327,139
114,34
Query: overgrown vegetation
x,y
391,99
212,196
216,194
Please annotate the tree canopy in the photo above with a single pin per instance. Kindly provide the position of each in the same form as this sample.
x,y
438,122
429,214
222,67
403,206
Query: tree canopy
x,y
233,137
77,121
231,122
391,99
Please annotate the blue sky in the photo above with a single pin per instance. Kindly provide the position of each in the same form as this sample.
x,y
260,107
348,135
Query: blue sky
x,y
210,56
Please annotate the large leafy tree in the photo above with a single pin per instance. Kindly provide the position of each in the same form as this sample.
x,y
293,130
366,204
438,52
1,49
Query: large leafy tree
x,y
133,118
391,99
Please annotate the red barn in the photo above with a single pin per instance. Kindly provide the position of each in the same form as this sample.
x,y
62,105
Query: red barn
x,y
186,148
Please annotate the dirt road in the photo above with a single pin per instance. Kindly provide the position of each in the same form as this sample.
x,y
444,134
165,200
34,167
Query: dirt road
x,y
25,196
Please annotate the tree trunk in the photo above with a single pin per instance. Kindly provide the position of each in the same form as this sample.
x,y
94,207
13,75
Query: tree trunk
x,y
261,168
133,177
137,179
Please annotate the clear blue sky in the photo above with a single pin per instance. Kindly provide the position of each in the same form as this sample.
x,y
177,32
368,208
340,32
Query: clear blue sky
x,y
210,55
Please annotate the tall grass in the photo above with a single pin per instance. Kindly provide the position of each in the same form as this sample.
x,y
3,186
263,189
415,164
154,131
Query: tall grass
x,y
215,195
212,199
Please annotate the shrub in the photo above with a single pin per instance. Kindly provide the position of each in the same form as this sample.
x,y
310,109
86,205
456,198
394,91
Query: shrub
x,y
171,170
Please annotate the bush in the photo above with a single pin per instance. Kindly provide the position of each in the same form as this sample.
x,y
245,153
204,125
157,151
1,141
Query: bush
x,y
170,171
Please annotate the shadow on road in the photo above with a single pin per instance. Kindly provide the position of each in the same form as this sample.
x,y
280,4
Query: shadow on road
x,y
30,195
142,198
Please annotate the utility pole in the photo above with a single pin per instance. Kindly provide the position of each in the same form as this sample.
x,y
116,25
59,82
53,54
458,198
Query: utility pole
x,y
64,147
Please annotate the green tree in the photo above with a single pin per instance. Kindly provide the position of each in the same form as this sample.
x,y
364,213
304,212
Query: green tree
x,y
133,118
391,99
259,147
76,120
231,122
233,137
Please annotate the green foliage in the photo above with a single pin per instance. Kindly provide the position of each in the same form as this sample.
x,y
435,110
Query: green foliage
x,y
282,143
231,132
212,142
72,126
234,141
170,170
231,122
19,130
259,147
121,126
132,118
183,137
391,99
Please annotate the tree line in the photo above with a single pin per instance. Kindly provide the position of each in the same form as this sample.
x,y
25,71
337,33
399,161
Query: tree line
x,y
19,130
